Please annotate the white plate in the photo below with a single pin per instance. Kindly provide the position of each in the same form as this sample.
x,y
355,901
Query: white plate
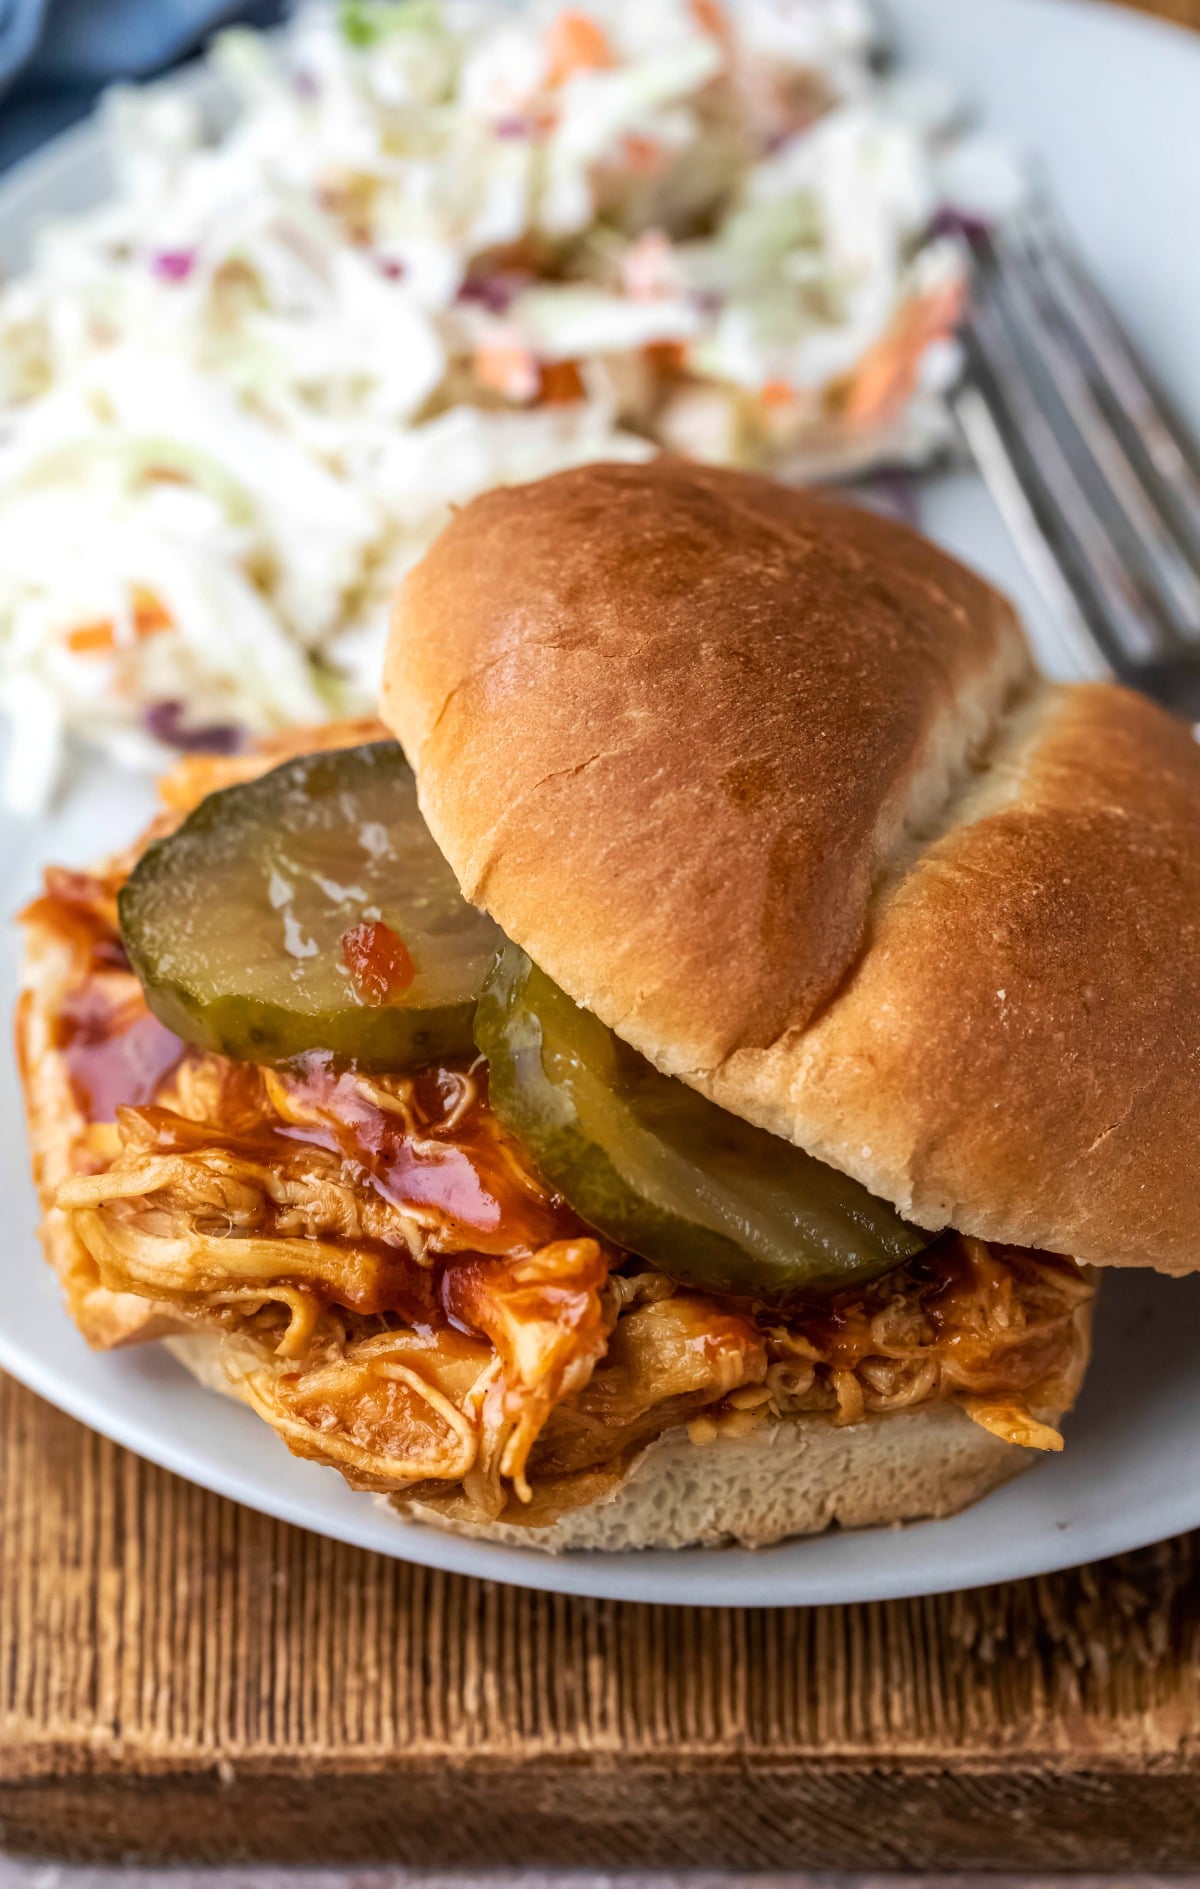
x,y
1110,103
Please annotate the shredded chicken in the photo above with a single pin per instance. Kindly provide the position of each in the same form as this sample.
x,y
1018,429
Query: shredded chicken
x,y
546,1315
398,1294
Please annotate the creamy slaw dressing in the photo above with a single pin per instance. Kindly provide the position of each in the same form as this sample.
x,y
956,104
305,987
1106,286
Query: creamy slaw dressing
x,y
435,249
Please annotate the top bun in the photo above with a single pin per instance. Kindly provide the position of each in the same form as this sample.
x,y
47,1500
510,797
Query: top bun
x,y
772,786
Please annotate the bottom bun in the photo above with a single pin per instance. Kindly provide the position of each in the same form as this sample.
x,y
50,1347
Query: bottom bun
x,y
201,1353
798,1476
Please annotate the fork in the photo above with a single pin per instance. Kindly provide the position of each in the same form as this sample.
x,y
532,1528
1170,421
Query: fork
x,y
1097,481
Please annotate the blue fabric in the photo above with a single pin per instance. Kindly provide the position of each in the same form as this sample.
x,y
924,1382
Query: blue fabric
x,y
55,55
21,26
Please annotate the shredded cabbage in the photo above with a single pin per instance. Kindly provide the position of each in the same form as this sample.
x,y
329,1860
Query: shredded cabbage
x,y
429,249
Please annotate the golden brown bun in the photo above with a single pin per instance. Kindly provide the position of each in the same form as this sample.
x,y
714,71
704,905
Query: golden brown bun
x,y
667,720
770,784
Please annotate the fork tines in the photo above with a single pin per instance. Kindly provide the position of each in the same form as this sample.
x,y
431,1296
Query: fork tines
x,y
1098,482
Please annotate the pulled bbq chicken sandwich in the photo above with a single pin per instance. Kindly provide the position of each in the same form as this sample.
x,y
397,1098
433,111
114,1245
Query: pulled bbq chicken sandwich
x,y
677,1091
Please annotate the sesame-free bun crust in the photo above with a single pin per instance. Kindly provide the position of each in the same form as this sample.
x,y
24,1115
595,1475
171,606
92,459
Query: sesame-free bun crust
x,y
644,732
772,786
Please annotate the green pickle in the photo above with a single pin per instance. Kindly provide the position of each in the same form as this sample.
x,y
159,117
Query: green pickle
x,y
709,1199
310,910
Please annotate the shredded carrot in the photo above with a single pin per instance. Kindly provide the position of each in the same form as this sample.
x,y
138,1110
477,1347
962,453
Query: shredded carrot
x,y
887,373
561,384
712,19
93,639
667,357
575,43
778,393
150,613
99,637
505,367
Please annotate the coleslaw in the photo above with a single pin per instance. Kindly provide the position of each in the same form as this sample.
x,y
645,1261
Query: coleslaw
x,y
431,248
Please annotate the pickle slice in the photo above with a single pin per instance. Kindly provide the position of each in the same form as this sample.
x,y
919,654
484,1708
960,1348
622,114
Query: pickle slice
x,y
309,910
710,1200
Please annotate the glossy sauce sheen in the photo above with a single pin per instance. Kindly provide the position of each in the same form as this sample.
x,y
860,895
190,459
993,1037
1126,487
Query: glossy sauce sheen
x,y
465,1171
378,961
960,1286
116,1053
81,907
385,1278
495,1255
470,1173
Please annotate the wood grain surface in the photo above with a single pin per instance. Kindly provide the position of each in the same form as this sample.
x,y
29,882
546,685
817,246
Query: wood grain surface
x,y
184,1679
1182,12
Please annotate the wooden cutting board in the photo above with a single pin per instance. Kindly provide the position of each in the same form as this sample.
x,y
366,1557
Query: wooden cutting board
x,y
184,1679
1184,12
181,1679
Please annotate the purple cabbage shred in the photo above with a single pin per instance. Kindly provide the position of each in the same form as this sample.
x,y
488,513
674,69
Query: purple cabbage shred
x,y
164,720
966,224
894,491
496,293
174,265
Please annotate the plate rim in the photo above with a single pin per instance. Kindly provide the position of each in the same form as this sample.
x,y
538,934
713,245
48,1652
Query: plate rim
x,y
732,1577
716,1577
